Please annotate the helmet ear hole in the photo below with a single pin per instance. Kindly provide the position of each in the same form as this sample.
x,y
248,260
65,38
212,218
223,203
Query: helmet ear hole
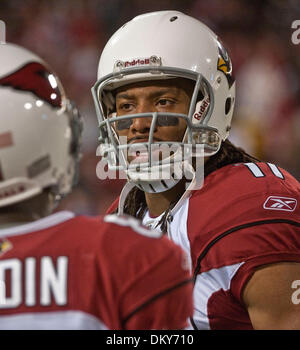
x,y
228,105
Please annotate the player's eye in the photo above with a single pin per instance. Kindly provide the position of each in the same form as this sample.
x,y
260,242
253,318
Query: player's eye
x,y
165,102
125,106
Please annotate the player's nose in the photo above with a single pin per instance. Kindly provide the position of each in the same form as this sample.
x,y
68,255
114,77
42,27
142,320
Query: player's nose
x,y
143,124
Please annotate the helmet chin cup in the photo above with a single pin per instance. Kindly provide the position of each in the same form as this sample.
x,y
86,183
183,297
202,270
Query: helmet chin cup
x,y
161,178
152,186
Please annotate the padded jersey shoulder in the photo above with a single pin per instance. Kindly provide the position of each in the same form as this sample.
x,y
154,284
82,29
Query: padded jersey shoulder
x,y
251,198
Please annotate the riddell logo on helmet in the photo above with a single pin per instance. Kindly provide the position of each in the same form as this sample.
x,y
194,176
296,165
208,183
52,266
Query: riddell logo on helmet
x,y
204,104
137,62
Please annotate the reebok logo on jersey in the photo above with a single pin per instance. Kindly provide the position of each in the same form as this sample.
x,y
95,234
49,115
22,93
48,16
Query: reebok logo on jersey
x,y
280,203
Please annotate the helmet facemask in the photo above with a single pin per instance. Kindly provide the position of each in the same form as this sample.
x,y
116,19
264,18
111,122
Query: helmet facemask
x,y
158,171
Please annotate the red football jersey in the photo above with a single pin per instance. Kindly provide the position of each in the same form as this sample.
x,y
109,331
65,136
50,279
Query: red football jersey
x,y
244,216
248,216
77,272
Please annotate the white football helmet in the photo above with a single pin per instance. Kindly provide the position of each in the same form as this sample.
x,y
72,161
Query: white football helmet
x,y
40,129
165,45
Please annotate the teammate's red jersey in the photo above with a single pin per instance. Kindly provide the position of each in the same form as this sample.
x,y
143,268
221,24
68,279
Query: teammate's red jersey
x,y
68,272
244,216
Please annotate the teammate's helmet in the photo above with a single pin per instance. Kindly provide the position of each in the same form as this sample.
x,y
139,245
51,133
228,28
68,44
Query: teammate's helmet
x,y
40,129
165,45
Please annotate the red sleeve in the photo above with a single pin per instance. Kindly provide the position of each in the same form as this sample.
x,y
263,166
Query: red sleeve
x,y
246,271
261,245
260,241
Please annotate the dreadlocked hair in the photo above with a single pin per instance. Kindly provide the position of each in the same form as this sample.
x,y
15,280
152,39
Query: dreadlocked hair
x,y
135,203
228,154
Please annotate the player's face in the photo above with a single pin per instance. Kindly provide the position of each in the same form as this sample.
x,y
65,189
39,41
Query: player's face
x,y
172,96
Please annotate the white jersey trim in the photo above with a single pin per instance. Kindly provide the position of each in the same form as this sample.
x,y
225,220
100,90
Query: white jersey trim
x,y
178,230
52,320
206,284
37,225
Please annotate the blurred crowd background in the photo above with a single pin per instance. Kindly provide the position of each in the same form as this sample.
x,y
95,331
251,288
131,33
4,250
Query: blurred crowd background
x,y
71,34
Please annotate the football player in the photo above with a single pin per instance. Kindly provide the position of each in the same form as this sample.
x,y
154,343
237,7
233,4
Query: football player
x,y
61,271
164,78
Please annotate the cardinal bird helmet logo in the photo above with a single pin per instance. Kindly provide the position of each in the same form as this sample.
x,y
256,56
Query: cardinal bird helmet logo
x,y
35,78
224,64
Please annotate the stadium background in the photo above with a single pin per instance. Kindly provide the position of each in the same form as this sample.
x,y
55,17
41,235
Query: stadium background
x,y
70,35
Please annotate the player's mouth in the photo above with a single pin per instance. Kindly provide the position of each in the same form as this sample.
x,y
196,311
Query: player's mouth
x,y
140,139
140,153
